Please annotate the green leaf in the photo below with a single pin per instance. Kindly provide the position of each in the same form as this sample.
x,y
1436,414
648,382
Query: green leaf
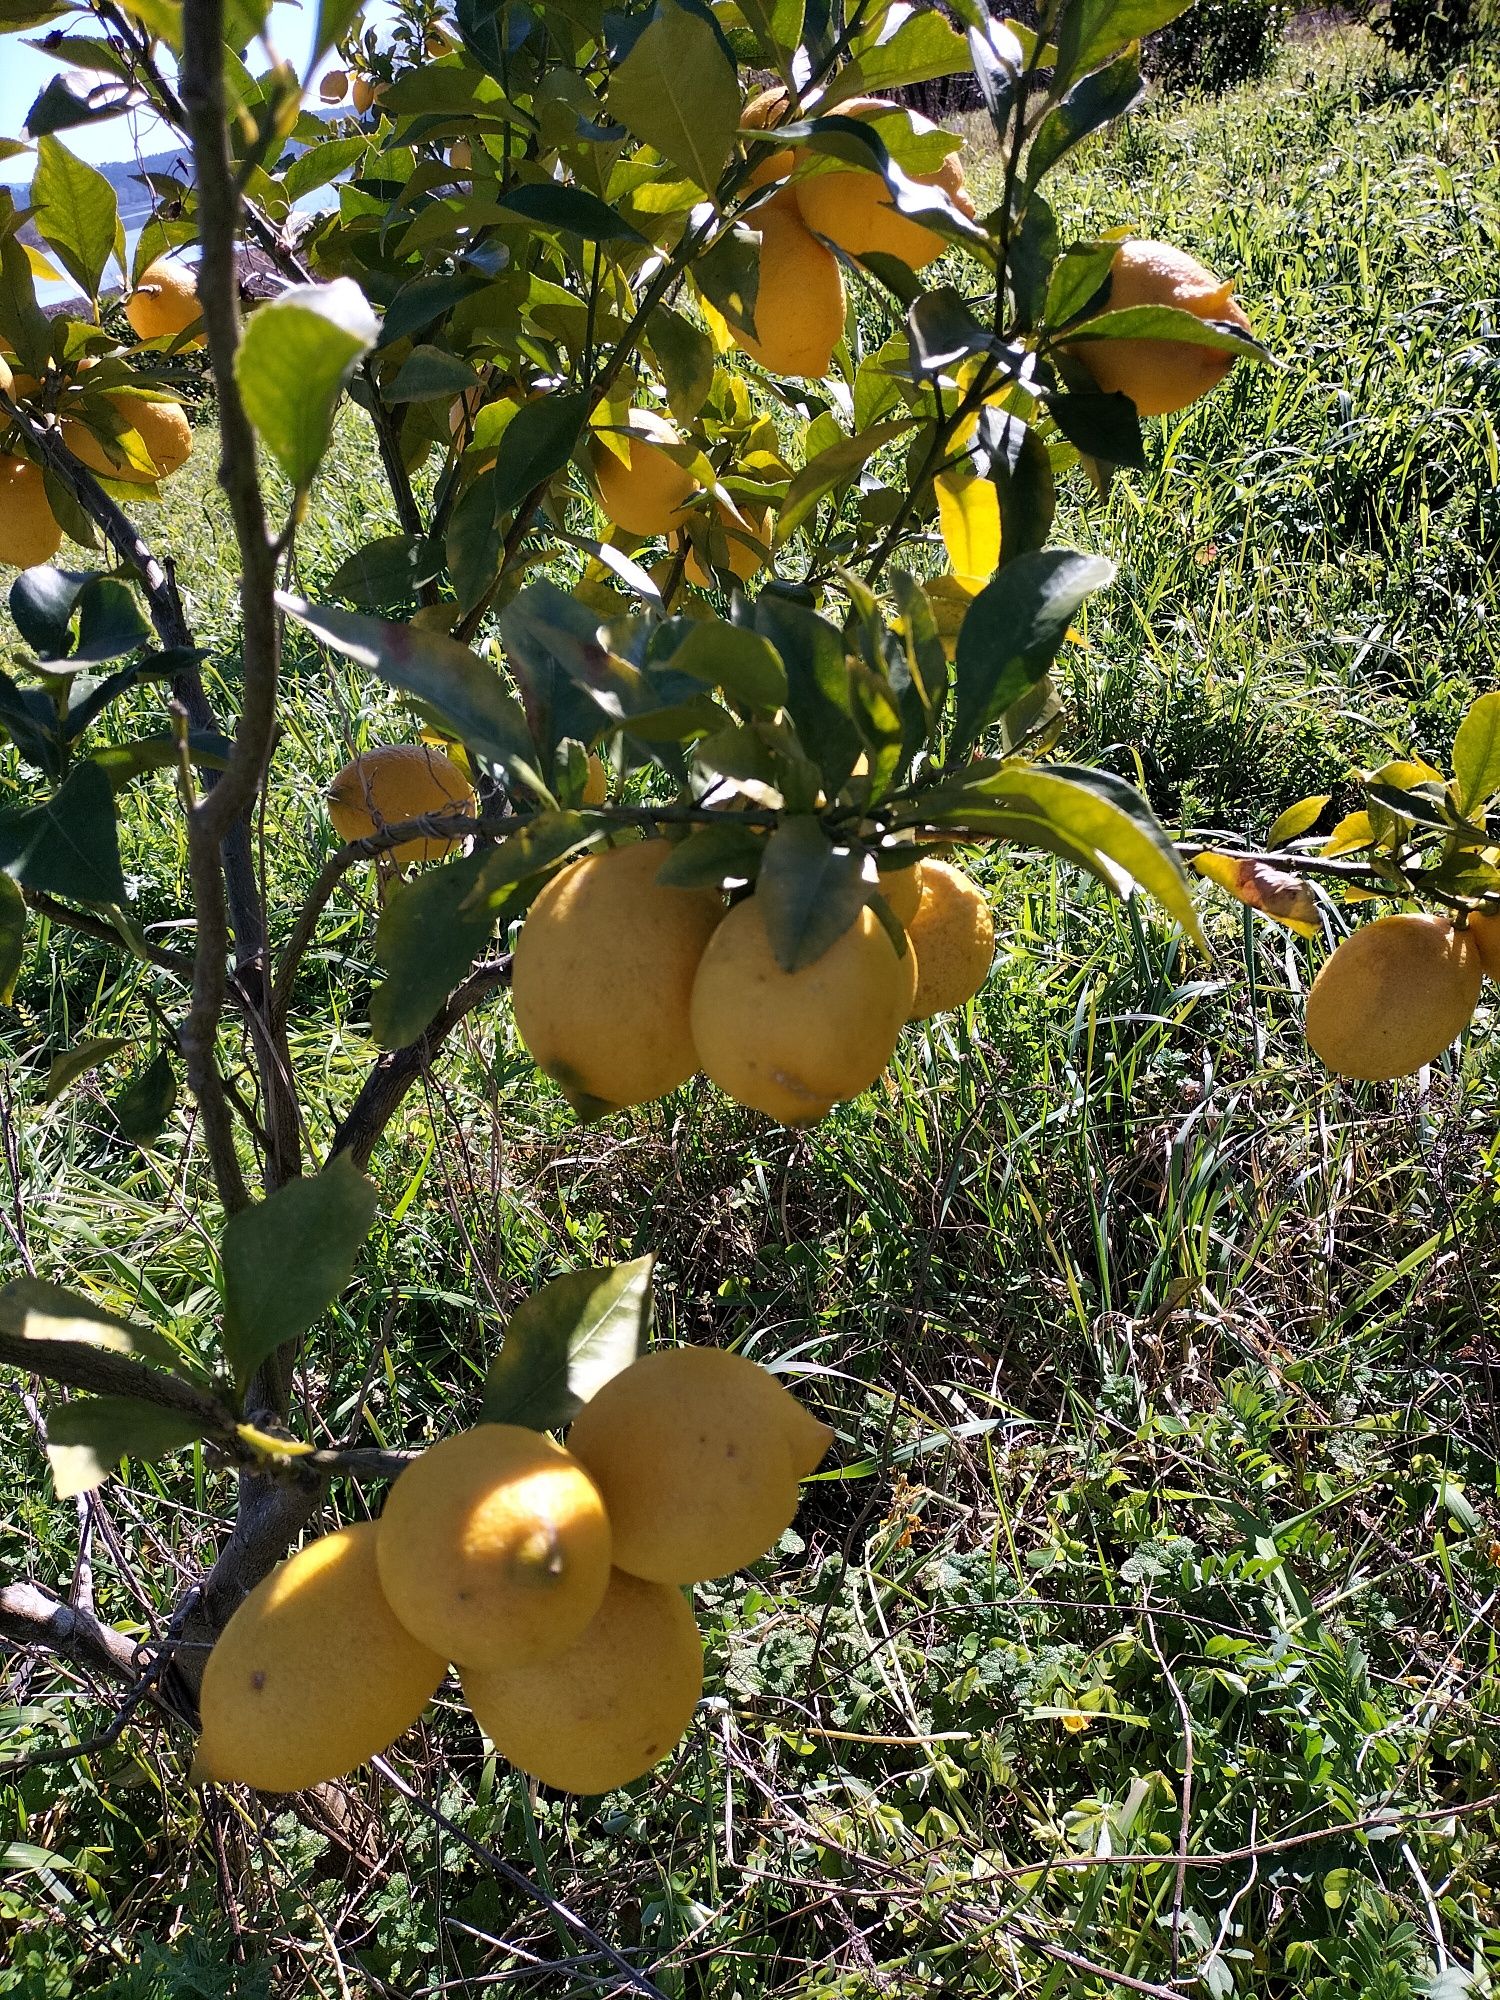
x,y
1078,276
1013,630
808,891
830,468
677,90
426,943
1091,31
287,1259
1476,754
712,856
685,355
24,327
812,652
321,164
555,205
915,45
335,19
565,1342
730,657
776,25
1301,817
536,444
78,1061
75,212
430,372
1169,323
1106,821
380,575
110,622
69,846
34,1309
298,352
12,938
146,1101
1097,100
465,691
1106,426
87,1438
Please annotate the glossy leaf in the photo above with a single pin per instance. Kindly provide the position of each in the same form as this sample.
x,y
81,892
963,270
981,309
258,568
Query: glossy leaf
x,y
1089,32
437,670
743,663
677,89
812,652
1297,819
1095,101
571,209
297,354
286,1259
1476,754
809,891
426,943
76,212
68,846
565,1342
379,576
1014,629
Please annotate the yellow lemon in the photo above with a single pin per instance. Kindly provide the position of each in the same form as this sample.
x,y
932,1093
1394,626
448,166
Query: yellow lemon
x,y
954,936
494,1548
1485,932
396,782
735,543
1393,996
29,533
792,1044
162,428
852,207
596,784
697,1454
902,889
164,303
603,977
367,92
313,1674
645,492
799,304
611,1705
1160,376
461,156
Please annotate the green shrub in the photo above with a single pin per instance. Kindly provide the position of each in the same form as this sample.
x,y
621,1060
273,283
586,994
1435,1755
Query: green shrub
x,y
1218,43
1435,33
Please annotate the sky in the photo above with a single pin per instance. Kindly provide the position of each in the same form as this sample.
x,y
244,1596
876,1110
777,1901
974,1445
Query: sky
x,y
25,73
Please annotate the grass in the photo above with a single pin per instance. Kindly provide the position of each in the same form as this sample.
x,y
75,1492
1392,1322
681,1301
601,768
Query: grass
x,y
1163,1515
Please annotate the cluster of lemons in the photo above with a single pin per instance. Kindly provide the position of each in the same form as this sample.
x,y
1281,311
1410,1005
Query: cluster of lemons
x,y
553,1577
154,438
1398,991
624,985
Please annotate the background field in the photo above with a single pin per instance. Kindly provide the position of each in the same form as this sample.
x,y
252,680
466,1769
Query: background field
x,y
1163,1515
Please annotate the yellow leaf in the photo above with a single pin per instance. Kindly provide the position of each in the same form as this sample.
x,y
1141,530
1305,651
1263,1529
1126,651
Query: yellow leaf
x,y
1352,832
41,267
1271,891
1403,774
1296,819
969,518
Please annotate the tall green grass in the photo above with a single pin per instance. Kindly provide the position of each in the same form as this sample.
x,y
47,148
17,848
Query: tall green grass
x,y
1162,1519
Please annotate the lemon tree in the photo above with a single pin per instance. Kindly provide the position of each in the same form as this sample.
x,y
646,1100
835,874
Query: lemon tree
x,y
722,425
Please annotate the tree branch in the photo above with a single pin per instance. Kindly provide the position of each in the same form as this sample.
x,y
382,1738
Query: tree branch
x,y
396,1071
96,927
31,1616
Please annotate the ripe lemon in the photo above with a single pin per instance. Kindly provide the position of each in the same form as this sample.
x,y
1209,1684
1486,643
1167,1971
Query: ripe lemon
x,y
29,533
333,87
1160,376
852,207
1393,996
162,428
494,1547
1485,932
792,1044
763,111
902,889
697,1454
614,1703
603,977
313,1673
643,493
733,541
954,936
395,782
164,302
799,304
366,91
